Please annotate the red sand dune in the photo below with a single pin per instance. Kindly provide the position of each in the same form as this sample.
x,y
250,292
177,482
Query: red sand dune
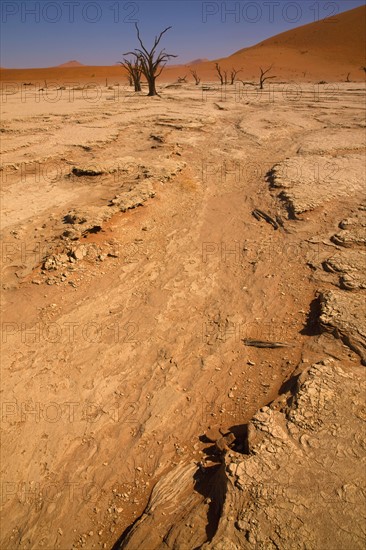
x,y
324,50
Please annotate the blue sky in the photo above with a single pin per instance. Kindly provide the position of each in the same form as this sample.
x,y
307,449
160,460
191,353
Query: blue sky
x,y
45,33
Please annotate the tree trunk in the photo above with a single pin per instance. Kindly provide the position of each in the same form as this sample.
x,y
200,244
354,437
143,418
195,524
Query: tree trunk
x,y
137,84
152,88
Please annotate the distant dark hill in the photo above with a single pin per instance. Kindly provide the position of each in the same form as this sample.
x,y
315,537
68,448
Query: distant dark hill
x,y
72,63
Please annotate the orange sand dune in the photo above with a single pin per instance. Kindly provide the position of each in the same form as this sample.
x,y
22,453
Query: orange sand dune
x,y
324,50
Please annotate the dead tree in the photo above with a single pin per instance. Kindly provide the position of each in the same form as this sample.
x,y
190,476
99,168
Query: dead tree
x,y
222,74
233,74
182,79
152,63
246,83
196,77
134,69
263,78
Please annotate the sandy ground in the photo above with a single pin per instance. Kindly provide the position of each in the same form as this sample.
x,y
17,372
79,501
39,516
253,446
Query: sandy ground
x,y
122,331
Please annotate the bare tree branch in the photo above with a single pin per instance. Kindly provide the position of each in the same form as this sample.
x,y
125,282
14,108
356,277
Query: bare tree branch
x,y
263,78
134,69
152,65
195,76
222,74
233,74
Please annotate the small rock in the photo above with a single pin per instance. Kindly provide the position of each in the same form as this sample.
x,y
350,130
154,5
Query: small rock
x,y
79,253
213,434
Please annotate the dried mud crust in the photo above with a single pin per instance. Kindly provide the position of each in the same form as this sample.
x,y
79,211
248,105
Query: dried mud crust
x,y
153,329
349,266
328,178
342,311
302,476
343,314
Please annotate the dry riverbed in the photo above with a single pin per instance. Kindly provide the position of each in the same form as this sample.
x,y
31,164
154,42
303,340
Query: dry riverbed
x,y
148,315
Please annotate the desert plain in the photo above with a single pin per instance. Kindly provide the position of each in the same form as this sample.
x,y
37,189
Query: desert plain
x,y
183,309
